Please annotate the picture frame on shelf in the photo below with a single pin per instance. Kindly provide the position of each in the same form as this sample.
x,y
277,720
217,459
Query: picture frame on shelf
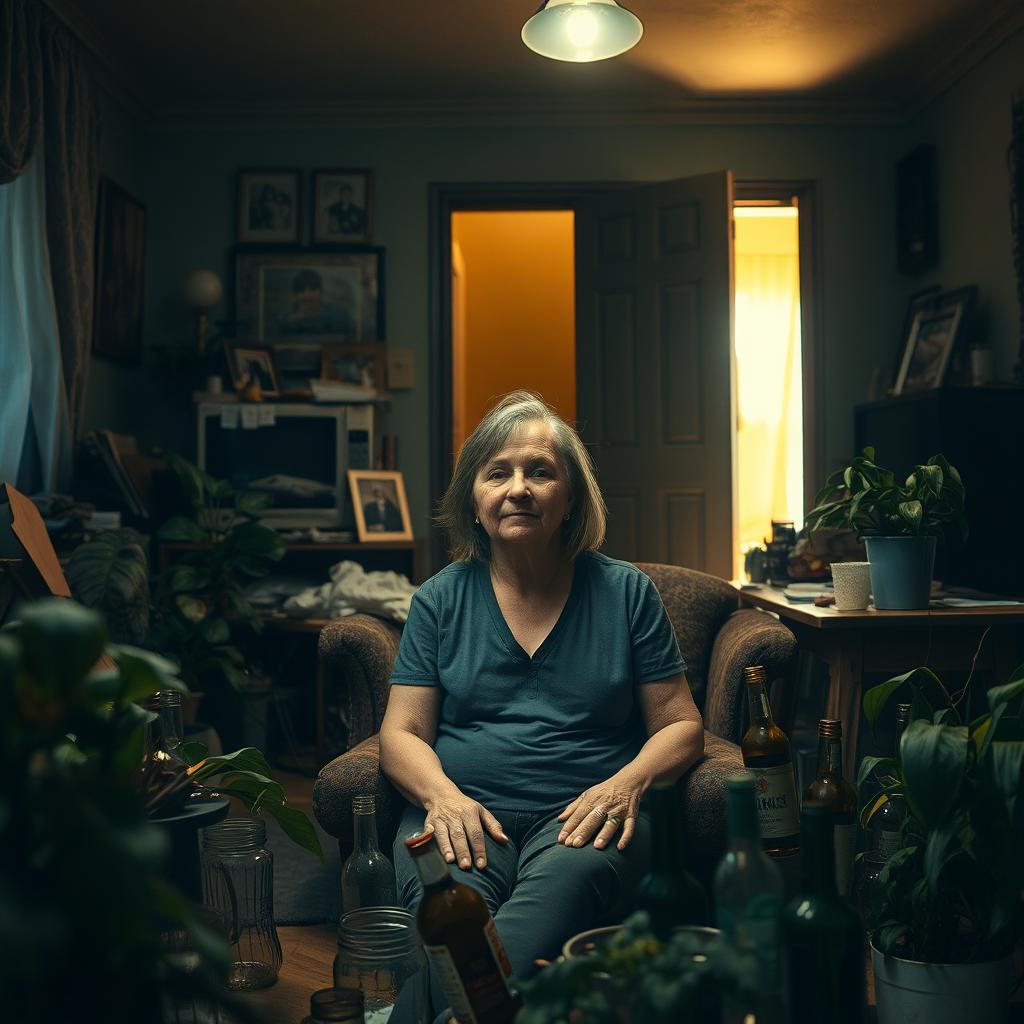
x,y
297,300
381,509
342,206
921,301
120,274
270,206
249,363
358,365
929,349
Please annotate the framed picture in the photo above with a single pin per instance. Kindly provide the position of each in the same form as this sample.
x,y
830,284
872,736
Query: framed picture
x,y
378,497
922,301
342,209
361,365
298,300
929,348
269,206
251,364
120,274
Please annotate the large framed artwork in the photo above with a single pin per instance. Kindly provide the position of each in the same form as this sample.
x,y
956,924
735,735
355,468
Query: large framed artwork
x,y
298,300
120,274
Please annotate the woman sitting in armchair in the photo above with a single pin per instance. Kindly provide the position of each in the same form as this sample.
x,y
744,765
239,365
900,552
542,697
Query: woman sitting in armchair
x,y
538,692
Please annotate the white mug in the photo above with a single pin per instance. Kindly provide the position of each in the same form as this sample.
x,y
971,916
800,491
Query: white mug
x,y
852,585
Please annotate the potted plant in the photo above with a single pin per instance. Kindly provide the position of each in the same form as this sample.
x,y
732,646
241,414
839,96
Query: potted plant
x,y
626,974
203,618
900,523
945,911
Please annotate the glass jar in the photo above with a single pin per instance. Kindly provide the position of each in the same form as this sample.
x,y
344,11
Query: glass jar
x,y
380,953
165,733
238,881
335,1006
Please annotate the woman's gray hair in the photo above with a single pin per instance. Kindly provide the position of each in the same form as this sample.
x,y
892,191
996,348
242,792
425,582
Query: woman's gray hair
x,y
584,530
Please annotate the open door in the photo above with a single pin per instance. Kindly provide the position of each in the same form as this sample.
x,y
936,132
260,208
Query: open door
x,y
654,378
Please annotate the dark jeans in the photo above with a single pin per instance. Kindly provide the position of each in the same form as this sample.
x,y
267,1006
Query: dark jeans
x,y
539,892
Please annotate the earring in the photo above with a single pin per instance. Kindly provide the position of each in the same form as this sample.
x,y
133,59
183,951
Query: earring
x,y
566,517
476,520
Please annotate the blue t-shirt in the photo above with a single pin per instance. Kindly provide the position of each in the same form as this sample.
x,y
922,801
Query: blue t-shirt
x,y
521,733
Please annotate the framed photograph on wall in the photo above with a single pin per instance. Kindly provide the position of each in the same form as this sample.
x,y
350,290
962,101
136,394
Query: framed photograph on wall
x,y
120,274
269,206
252,364
378,497
360,365
929,348
342,206
298,300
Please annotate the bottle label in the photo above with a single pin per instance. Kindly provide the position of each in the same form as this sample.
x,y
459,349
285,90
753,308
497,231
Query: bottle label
x,y
888,844
844,838
500,957
451,984
778,813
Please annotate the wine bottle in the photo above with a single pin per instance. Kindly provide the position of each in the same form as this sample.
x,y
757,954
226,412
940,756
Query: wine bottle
x,y
828,787
749,896
823,957
766,755
669,894
887,821
461,941
367,877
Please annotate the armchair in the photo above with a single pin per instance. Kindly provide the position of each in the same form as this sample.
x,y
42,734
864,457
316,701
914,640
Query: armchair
x,y
716,640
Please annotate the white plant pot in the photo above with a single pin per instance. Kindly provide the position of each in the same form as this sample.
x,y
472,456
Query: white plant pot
x,y
908,992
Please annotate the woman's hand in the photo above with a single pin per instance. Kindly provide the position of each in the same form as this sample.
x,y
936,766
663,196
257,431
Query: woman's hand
x,y
458,824
600,812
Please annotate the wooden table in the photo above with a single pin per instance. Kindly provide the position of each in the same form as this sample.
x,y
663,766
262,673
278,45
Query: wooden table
x,y
852,643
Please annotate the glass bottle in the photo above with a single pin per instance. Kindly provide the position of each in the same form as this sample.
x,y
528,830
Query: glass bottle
x,y
165,733
379,953
828,787
238,881
823,959
749,896
766,755
367,877
335,1006
461,941
887,821
668,892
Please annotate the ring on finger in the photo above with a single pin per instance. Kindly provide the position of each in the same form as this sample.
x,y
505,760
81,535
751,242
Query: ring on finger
x,y
612,820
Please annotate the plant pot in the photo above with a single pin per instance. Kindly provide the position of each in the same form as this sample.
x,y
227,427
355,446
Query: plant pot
x,y
901,571
907,990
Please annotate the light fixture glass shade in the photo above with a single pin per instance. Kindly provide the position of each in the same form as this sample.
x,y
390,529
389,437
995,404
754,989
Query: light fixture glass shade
x,y
582,30
203,289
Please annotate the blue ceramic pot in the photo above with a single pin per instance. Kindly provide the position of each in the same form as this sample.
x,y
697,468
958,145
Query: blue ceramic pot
x,y
901,571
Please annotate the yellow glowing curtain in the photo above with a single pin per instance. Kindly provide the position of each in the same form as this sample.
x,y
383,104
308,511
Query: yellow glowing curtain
x,y
768,367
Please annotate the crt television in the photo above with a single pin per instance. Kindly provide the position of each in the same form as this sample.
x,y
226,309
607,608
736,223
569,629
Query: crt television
x,y
297,453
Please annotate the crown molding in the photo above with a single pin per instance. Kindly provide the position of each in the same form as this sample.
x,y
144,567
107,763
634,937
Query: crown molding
x,y
1000,24
504,113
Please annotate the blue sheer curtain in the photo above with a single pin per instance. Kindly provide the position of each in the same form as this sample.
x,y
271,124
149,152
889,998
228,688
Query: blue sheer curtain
x,y
35,427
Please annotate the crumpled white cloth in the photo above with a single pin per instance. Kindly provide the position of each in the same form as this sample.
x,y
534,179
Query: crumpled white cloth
x,y
352,590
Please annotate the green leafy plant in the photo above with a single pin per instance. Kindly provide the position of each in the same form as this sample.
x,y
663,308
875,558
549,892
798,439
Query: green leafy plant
x,y
953,892
202,611
85,907
637,977
110,574
866,498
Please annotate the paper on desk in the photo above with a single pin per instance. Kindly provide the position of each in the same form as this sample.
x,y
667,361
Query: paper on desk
x,y
229,417
970,602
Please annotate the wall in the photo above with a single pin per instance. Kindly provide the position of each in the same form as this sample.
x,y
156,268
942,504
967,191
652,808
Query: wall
x,y
970,128
520,328
190,192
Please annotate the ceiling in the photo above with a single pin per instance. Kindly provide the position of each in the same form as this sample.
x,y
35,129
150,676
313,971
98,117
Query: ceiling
x,y
199,58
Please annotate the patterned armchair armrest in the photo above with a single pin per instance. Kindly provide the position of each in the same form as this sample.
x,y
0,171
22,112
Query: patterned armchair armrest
x,y
748,637
702,793
356,654
354,773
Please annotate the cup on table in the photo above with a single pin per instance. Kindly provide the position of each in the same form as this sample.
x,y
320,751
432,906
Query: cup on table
x,y
852,585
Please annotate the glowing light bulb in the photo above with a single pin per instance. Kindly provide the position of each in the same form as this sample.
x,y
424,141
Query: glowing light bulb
x,y
581,27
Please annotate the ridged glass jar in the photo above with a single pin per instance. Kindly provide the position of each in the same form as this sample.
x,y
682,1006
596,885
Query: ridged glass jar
x,y
381,954
238,881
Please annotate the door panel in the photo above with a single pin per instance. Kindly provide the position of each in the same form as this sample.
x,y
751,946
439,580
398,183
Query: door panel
x,y
655,392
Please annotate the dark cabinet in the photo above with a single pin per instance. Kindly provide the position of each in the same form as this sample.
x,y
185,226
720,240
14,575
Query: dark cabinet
x,y
981,432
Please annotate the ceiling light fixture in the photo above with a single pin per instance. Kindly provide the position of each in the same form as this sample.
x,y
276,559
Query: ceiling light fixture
x,y
582,30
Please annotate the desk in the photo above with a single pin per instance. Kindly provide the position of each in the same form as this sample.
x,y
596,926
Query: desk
x,y
852,643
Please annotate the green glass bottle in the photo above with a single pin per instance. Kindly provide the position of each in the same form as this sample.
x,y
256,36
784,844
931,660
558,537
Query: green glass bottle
x,y
668,892
887,822
749,896
822,939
